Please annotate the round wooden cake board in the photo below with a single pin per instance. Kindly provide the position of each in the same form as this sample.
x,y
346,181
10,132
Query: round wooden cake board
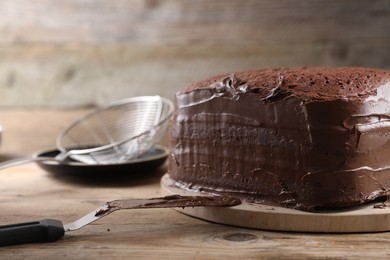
x,y
364,218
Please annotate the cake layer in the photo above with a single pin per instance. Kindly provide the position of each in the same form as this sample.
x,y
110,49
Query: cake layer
x,y
305,137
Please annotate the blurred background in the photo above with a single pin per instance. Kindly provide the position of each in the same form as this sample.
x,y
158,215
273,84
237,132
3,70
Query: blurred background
x,y
72,53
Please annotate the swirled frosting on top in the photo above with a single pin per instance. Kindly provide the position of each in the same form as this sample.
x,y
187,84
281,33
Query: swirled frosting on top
x,y
300,137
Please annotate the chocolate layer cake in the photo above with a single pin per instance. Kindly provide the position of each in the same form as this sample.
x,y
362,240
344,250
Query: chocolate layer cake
x,y
301,137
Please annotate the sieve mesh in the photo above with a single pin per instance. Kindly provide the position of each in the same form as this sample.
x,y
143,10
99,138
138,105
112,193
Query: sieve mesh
x,y
117,132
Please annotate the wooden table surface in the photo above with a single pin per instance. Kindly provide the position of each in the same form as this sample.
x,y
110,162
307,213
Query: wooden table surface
x,y
28,193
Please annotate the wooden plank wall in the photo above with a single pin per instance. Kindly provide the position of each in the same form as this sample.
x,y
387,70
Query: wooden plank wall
x,y
79,52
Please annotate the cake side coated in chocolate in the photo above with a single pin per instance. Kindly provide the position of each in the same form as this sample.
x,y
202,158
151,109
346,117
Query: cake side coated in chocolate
x,y
302,137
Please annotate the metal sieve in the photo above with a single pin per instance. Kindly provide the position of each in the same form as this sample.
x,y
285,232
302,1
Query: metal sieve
x,y
118,132
112,134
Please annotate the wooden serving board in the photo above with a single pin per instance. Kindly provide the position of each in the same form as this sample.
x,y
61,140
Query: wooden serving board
x,y
364,218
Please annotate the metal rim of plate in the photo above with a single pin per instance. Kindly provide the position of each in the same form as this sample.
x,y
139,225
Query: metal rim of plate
x,y
359,219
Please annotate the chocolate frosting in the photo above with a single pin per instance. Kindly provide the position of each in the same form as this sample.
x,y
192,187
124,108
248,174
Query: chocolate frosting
x,y
303,137
171,201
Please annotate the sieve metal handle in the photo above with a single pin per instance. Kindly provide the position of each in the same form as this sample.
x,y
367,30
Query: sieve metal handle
x,y
24,160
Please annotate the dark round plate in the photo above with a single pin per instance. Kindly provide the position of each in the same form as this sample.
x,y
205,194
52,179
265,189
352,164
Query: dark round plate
x,y
146,163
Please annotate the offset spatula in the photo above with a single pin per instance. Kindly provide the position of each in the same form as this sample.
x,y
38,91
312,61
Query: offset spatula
x,y
48,230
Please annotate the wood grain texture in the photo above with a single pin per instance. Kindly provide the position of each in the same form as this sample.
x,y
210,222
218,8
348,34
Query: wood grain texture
x,y
76,75
75,52
28,193
177,21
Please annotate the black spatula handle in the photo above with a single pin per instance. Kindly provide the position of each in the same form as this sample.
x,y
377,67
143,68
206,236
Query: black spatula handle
x,y
46,230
